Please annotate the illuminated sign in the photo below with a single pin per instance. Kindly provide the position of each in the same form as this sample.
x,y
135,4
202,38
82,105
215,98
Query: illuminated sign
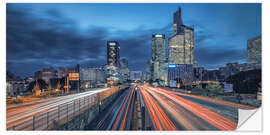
x,y
172,65
112,43
228,87
158,35
73,76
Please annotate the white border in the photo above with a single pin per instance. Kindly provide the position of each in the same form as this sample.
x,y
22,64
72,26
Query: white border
x,y
266,67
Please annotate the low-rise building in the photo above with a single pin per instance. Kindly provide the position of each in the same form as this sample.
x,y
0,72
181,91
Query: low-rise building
x,y
181,73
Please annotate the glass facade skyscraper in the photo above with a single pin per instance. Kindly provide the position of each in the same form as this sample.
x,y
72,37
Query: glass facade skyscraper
x,y
113,53
158,57
113,61
181,44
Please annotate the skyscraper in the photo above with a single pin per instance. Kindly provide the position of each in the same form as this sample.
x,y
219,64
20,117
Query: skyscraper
x,y
124,71
181,44
113,61
254,53
158,57
177,22
113,56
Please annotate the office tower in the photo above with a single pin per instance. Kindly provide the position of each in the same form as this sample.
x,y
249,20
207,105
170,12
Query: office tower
x,y
124,71
113,53
181,44
158,57
113,62
254,53
177,22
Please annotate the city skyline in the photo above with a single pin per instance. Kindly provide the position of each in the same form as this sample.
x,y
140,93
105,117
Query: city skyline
x,y
45,37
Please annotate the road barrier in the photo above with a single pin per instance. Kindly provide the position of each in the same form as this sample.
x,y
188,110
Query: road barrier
x,y
54,117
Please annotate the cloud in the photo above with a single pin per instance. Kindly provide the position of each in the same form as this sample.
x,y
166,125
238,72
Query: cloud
x,y
42,39
50,41
214,57
35,42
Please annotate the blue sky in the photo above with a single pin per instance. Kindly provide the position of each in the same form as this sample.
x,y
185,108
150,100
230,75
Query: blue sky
x,y
39,35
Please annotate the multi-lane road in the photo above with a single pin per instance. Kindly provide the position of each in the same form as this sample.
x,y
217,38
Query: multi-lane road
x,y
18,114
168,110
118,116
138,108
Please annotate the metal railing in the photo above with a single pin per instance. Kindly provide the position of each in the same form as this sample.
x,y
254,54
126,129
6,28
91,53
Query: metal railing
x,y
63,113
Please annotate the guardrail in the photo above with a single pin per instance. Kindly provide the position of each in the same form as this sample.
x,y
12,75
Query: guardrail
x,y
63,113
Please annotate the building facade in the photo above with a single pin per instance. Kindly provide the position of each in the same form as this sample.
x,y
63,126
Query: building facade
x,y
136,75
124,71
159,57
63,72
181,44
198,73
38,75
254,53
46,74
177,22
15,88
148,73
94,75
113,62
113,53
181,73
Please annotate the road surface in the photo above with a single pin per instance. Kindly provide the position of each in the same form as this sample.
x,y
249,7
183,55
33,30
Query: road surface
x,y
21,113
159,109
118,115
171,110
168,110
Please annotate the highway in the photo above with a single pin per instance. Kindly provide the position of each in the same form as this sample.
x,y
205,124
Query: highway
x,y
118,115
169,110
139,107
21,113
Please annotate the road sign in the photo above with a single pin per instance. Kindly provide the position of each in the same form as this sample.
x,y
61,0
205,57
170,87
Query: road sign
x,y
73,76
228,87
172,83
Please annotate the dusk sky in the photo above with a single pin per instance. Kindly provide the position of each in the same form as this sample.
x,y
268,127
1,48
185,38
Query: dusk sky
x,y
63,35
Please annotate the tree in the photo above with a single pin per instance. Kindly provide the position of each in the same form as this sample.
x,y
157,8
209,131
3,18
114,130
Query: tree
x,y
246,81
198,87
42,85
215,88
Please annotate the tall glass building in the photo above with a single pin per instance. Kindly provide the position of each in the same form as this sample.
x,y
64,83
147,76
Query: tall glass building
x,y
113,61
158,57
181,44
113,53
254,53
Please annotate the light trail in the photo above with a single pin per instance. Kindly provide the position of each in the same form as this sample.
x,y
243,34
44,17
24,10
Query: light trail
x,y
162,121
216,101
20,114
117,121
173,104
